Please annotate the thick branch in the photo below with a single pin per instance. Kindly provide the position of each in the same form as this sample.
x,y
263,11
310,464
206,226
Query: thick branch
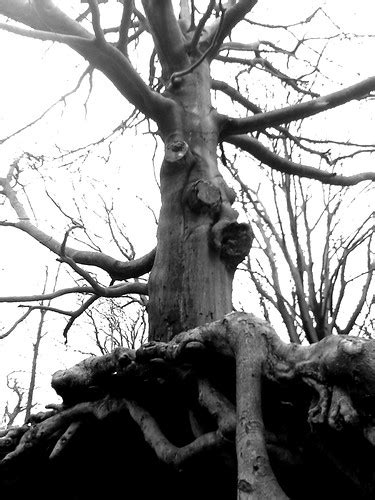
x,y
235,95
118,270
199,61
47,36
167,35
55,25
199,29
185,15
233,15
42,15
298,111
263,154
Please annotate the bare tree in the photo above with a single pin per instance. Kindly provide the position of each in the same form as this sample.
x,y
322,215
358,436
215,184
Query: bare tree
x,y
117,324
227,408
12,412
304,263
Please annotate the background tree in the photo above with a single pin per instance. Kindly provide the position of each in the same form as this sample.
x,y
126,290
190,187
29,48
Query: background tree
x,y
12,412
305,265
204,397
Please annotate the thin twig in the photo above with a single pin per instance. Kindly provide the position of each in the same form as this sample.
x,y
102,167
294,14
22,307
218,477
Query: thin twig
x,y
20,320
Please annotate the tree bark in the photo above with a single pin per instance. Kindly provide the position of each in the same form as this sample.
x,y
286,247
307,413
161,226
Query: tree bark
x,y
200,242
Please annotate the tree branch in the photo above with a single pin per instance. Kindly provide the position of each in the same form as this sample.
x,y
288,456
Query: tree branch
x,y
123,38
52,24
109,292
263,154
264,218
353,318
242,47
42,15
199,29
76,314
167,35
118,270
185,15
76,42
235,95
205,55
95,14
15,324
297,111
233,15
62,99
264,65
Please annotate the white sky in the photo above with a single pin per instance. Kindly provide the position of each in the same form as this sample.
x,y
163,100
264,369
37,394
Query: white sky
x,y
34,75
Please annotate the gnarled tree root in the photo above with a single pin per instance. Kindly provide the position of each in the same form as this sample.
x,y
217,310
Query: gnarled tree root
x,y
189,402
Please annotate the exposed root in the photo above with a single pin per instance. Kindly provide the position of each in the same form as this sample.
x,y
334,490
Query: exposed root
x,y
164,449
219,407
65,439
164,386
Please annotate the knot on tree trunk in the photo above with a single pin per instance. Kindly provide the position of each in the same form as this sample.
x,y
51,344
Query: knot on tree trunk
x,y
175,151
203,197
233,240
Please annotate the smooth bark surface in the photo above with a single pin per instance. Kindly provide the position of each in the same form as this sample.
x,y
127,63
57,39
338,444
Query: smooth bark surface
x,y
199,241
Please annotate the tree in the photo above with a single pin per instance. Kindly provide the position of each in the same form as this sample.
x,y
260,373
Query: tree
x,y
10,414
216,394
299,234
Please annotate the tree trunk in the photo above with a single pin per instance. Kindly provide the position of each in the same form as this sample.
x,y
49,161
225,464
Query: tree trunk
x,y
199,241
29,404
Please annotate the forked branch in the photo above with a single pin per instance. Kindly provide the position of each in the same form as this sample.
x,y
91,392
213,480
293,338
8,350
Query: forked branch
x,y
118,270
50,23
167,35
234,14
